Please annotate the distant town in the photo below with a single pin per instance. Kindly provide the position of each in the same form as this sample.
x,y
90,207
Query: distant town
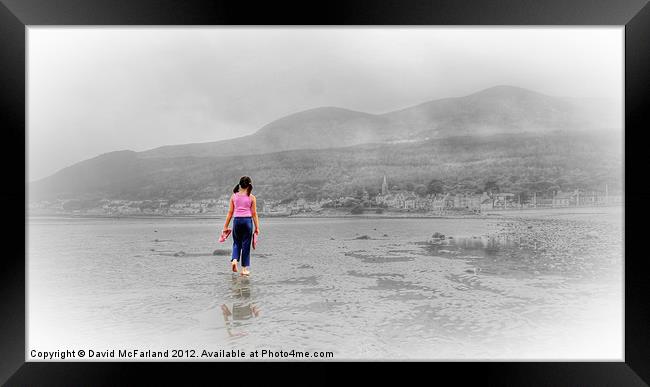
x,y
387,201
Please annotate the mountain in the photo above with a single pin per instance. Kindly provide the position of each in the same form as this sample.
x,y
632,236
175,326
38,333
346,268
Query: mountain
x,y
522,162
108,172
489,133
500,109
325,127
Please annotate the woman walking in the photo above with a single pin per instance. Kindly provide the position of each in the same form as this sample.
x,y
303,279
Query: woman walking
x,y
243,212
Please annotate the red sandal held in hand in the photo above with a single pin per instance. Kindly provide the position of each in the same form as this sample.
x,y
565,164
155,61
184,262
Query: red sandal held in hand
x,y
224,235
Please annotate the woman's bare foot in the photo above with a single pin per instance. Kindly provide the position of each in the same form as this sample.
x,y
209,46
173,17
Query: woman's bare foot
x,y
233,263
244,271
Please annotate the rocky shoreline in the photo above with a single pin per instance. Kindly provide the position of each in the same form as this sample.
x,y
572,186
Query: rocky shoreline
x,y
570,247
525,213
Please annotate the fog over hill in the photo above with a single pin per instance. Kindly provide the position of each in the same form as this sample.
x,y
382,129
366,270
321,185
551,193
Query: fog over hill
x,y
500,109
289,147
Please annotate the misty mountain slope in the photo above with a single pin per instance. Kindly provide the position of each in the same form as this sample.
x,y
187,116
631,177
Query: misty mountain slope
x,y
326,127
516,161
500,109
467,137
245,144
109,172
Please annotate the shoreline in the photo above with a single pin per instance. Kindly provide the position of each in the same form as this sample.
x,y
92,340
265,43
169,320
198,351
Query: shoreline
x,y
486,215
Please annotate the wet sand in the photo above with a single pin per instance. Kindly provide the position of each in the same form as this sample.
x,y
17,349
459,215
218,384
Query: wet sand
x,y
547,286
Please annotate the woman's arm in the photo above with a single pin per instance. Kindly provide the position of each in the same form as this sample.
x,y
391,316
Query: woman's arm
x,y
231,209
254,212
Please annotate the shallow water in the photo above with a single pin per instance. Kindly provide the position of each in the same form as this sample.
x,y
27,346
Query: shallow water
x,y
321,285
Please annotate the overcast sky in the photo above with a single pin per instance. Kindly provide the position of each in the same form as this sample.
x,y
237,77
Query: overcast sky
x,y
97,90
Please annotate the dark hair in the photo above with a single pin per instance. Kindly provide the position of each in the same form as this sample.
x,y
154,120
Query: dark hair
x,y
244,183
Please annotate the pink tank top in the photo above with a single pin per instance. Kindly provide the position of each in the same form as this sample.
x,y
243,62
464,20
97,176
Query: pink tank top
x,y
242,204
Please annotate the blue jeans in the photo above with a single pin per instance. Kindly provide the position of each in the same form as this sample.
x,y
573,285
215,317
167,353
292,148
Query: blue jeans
x,y
242,233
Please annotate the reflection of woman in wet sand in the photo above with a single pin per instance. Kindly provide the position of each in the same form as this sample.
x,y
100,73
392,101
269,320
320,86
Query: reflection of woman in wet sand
x,y
243,212
239,310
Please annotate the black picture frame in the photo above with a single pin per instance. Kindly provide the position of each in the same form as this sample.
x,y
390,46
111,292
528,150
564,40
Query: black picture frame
x,y
15,15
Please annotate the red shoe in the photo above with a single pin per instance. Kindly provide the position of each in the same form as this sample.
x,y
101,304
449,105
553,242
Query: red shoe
x,y
224,235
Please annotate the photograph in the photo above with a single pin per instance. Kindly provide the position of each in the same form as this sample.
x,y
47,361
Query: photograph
x,y
229,193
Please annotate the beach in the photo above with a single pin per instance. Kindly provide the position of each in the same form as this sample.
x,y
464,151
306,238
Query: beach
x,y
528,285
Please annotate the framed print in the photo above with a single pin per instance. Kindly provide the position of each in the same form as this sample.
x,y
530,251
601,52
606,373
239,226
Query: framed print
x,y
214,184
